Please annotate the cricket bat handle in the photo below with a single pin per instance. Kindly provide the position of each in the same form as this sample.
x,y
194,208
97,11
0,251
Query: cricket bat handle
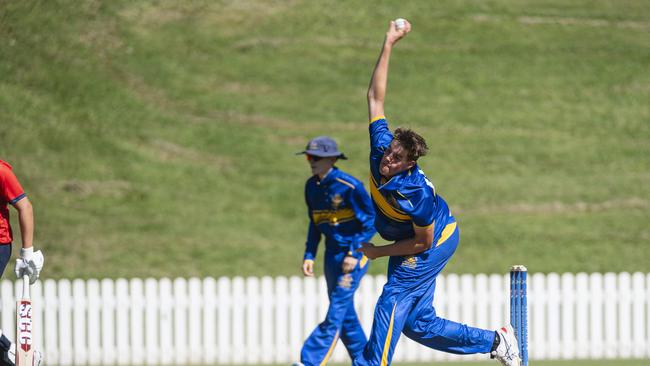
x,y
26,294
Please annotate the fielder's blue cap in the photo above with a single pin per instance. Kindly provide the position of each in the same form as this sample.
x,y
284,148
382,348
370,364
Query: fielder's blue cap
x,y
323,146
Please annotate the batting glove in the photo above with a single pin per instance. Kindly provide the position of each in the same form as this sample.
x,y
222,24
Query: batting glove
x,y
30,263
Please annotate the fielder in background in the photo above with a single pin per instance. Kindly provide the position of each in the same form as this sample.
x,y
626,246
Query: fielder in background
x,y
30,262
425,235
339,208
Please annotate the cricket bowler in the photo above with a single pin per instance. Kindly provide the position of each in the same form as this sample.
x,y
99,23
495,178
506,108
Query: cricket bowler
x,y
339,208
425,234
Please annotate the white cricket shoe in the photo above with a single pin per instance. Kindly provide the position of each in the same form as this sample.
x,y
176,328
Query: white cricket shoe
x,y
507,351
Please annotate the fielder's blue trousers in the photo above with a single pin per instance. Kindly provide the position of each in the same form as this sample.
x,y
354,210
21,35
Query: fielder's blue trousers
x,y
406,306
341,320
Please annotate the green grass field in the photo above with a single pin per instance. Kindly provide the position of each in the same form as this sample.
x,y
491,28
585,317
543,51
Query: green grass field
x,y
158,138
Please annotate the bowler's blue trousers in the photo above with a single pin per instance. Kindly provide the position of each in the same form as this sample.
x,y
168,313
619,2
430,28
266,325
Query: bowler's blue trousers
x,y
406,306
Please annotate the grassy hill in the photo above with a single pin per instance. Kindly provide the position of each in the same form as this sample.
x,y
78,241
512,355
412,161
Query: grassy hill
x,y
158,138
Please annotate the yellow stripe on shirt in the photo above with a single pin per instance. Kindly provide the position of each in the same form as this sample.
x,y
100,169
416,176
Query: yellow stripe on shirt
x,y
404,197
385,207
346,183
332,216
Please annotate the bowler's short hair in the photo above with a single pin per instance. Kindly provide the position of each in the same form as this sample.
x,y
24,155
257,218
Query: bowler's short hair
x,y
414,144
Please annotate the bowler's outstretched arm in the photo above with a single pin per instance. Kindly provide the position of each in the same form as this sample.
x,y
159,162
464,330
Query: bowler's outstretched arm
x,y
377,88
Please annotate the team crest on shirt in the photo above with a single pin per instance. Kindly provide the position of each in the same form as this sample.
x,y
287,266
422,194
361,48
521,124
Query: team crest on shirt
x,y
410,262
345,281
336,201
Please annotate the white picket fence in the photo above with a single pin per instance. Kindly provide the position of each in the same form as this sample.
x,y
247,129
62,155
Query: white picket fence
x,y
265,320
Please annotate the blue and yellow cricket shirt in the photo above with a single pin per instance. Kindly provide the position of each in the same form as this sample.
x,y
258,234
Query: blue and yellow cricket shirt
x,y
407,199
339,208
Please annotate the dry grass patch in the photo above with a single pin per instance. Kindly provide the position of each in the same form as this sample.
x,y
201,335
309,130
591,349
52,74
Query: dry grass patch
x,y
87,188
560,207
567,21
167,151
147,15
243,88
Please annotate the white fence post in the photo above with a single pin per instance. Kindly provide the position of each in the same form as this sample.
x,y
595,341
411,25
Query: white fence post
x,y
582,333
310,298
482,298
611,318
295,317
265,320
179,312
553,296
639,292
50,321
567,316
624,311
108,321
166,347
281,296
65,322
647,306
136,321
596,301
94,323
79,298
151,321
196,316
37,314
252,320
209,320
537,341
122,304
238,310
224,304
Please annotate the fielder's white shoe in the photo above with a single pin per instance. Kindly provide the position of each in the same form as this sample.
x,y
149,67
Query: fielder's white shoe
x,y
507,351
